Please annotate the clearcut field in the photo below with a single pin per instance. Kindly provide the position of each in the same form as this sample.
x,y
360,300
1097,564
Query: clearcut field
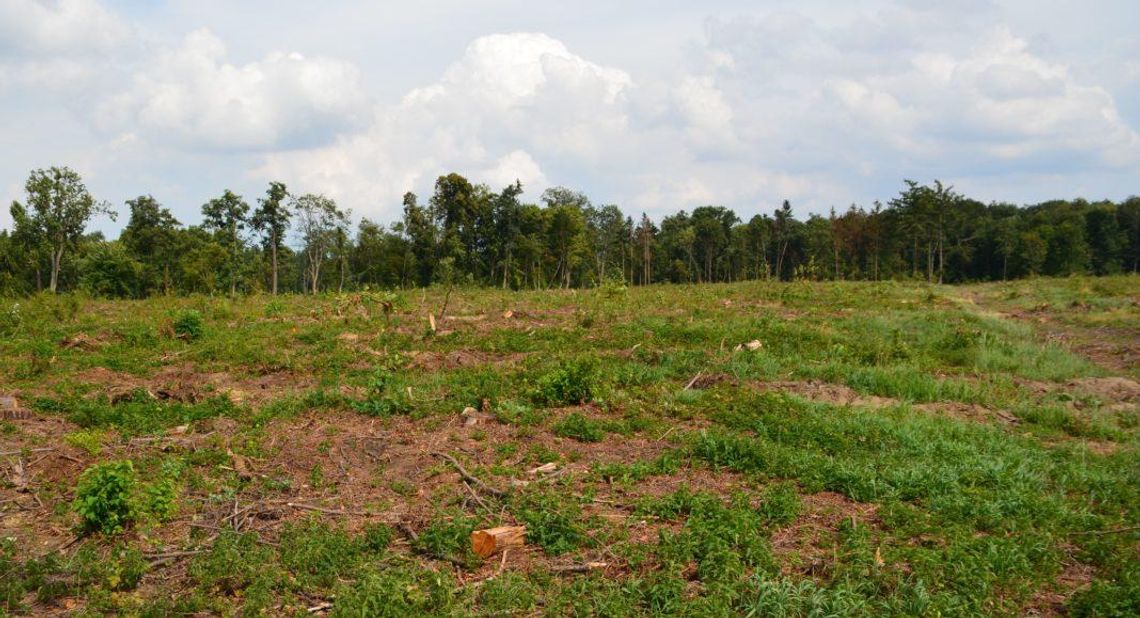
x,y
786,449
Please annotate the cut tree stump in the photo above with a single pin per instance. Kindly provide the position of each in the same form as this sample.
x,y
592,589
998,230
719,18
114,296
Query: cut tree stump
x,y
493,540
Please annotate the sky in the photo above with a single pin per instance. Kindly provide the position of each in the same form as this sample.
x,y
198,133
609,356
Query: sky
x,y
653,105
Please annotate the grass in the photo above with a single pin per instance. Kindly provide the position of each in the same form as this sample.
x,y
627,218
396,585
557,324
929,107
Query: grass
x,y
283,452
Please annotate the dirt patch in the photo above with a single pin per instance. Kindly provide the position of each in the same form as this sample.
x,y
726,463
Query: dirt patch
x,y
87,343
435,361
709,380
825,392
840,395
183,383
1115,389
803,546
1050,600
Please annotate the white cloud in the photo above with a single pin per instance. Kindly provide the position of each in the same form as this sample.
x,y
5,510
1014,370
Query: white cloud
x,y
63,27
193,96
510,102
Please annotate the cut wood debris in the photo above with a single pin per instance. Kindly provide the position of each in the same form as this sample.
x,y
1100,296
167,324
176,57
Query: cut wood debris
x,y
491,541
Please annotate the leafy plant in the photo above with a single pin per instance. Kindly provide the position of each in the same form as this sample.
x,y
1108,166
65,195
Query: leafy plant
x,y
579,427
571,384
103,496
189,325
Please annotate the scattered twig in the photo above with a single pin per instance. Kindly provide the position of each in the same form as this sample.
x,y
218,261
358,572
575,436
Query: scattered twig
x,y
320,607
1104,532
481,502
666,434
320,509
174,554
693,381
579,568
29,450
498,493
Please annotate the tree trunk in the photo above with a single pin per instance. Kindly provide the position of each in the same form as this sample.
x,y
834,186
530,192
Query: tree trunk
x,y
273,252
56,258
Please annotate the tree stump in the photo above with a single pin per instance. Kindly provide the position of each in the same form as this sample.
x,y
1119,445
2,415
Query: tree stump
x,y
493,540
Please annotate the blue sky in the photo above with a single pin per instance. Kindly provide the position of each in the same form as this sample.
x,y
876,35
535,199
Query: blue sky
x,y
651,105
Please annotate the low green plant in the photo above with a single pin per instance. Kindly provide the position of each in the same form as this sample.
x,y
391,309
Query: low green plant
x,y
580,427
103,497
552,522
233,563
90,440
448,539
570,384
189,325
396,593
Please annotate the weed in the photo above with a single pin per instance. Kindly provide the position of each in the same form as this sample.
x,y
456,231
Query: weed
x,y
103,497
189,325
571,384
551,522
577,426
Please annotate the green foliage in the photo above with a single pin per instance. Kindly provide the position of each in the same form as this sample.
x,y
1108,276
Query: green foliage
x,y
448,540
189,325
552,522
103,497
579,427
571,384
90,440
11,319
395,593
234,563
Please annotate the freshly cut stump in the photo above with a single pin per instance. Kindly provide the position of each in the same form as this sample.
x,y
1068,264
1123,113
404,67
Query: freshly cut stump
x,y
494,540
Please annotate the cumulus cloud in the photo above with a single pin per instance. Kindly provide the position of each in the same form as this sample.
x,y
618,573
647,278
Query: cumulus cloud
x,y
511,101
66,27
821,105
191,94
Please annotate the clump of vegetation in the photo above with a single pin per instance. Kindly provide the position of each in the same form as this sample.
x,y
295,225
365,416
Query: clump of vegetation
x,y
189,325
400,591
235,562
385,397
109,497
552,522
571,384
580,427
448,540
103,497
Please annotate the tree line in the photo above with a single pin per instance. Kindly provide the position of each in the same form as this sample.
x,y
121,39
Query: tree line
x,y
468,233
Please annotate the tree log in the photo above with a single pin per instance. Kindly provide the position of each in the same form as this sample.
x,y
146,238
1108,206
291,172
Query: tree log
x,y
493,540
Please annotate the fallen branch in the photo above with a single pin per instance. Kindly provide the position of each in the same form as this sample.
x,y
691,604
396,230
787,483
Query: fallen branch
x,y
498,493
173,554
693,381
579,568
320,509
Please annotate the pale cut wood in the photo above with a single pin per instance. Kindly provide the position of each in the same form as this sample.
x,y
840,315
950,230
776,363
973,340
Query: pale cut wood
x,y
493,540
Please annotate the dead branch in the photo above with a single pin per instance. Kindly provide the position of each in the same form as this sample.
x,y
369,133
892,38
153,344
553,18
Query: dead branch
x,y
498,493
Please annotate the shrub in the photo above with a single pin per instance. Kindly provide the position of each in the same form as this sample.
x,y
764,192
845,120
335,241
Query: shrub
x,y
571,384
580,428
189,325
103,496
